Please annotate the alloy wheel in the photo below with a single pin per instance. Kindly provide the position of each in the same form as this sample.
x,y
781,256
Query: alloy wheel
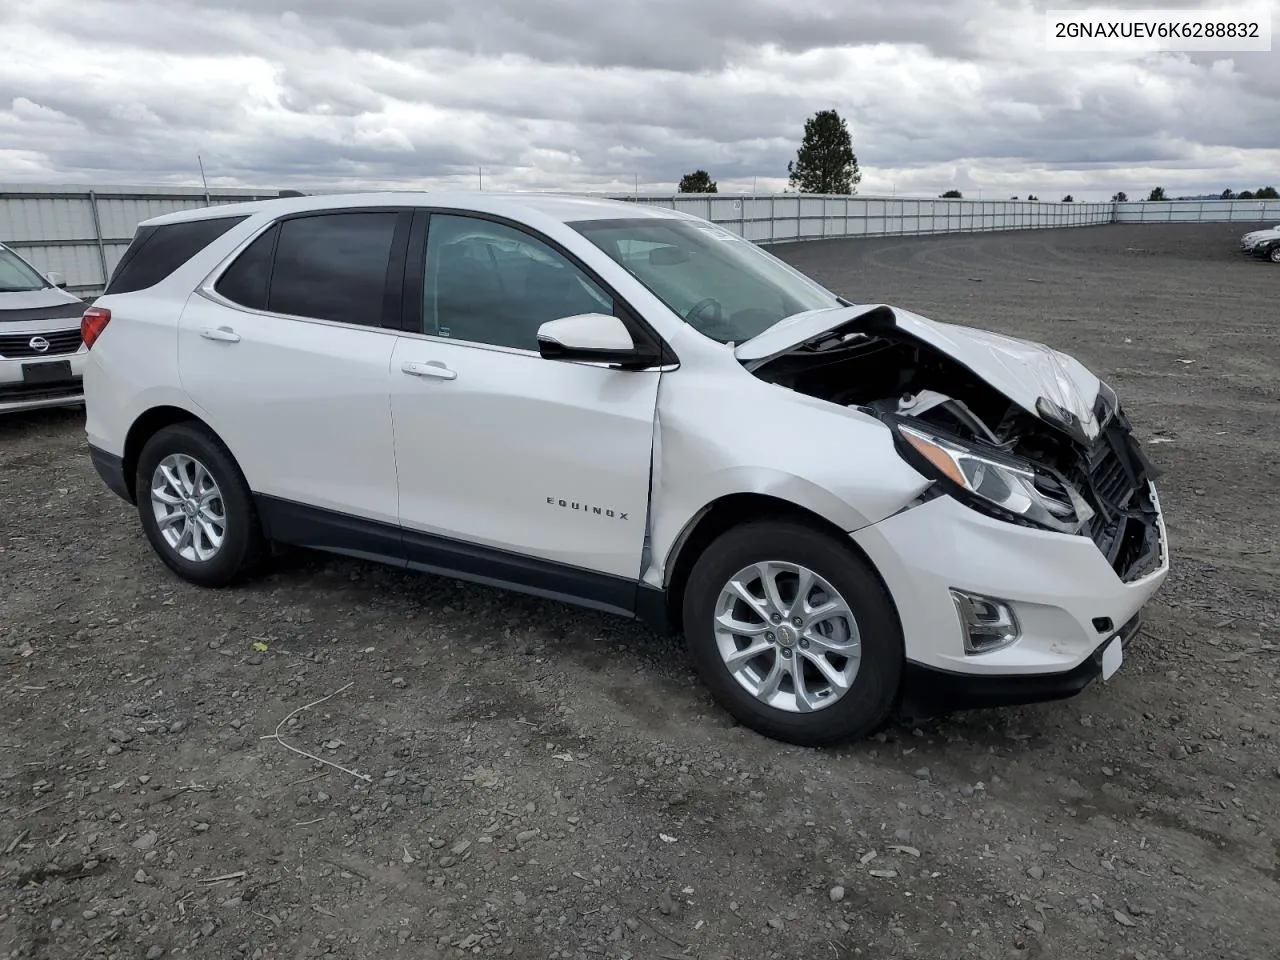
x,y
787,636
188,507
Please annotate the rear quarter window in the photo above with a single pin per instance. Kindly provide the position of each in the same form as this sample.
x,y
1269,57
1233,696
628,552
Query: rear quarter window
x,y
248,278
157,251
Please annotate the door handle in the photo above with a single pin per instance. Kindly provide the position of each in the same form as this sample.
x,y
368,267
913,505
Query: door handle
x,y
432,368
224,334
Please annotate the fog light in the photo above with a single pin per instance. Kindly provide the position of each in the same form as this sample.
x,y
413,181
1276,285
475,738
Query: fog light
x,y
989,624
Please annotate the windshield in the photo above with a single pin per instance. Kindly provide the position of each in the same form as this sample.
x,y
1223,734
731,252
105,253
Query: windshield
x,y
16,276
723,286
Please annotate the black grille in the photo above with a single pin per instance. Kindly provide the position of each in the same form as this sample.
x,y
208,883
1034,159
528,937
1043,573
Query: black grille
x,y
1110,481
1124,525
11,392
16,345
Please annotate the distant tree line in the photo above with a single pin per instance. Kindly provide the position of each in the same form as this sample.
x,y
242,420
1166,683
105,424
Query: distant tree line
x,y
825,163
1262,193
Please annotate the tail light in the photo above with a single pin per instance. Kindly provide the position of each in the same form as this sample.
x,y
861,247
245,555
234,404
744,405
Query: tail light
x,y
92,324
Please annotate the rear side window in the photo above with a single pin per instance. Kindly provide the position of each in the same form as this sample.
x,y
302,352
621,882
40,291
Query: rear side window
x,y
158,251
333,267
247,280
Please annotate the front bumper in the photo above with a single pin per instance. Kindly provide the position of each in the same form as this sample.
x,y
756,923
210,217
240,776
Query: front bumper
x,y
19,392
1068,599
927,691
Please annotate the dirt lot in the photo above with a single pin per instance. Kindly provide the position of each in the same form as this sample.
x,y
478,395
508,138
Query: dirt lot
x,y
535,781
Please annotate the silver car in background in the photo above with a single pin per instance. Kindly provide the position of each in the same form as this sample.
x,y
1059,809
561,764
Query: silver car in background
x,y
41,355
1264,244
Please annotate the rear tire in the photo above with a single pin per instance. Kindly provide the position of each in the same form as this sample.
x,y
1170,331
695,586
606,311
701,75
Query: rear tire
x,y
196,508
794,709
1274,254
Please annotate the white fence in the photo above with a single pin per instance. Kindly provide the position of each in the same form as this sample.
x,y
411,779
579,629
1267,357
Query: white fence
x,y
784,217
82,232
1198,211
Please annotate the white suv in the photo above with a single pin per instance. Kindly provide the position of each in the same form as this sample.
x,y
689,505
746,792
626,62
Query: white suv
x,y
41,359
844,509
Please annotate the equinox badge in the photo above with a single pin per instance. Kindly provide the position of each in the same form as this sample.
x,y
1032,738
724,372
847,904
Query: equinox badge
x,y
585,508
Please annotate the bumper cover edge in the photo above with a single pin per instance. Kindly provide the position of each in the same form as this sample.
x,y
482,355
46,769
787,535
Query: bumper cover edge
x,y
927,691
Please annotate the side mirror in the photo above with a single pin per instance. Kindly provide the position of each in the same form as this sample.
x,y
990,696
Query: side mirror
x,y
593,338
56,279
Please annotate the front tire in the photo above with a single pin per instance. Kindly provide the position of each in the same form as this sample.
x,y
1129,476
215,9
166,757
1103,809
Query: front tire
x,y
195,507
793,633
1274,254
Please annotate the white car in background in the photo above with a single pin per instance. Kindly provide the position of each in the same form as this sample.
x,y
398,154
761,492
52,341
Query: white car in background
x,y
1262,243
844,509
41,358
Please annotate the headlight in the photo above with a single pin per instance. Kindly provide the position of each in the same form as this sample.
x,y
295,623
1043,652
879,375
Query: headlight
x,y
1006,486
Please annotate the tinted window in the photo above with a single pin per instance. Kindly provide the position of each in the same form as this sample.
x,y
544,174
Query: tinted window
x,y
158,251
333,267
245,281
489,283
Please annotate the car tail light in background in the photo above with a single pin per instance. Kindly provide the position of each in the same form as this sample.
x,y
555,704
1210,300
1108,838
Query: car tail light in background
x,y
92,324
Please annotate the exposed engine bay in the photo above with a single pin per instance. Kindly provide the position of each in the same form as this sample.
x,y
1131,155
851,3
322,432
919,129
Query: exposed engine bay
x,y
1091,481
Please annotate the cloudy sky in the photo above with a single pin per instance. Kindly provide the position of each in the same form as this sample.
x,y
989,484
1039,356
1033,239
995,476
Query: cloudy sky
x,y
591,95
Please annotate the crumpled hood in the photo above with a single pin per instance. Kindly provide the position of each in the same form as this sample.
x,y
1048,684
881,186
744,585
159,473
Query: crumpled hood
x,y
1022,370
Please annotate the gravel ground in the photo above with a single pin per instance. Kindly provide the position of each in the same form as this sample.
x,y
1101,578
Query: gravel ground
x,y
528,780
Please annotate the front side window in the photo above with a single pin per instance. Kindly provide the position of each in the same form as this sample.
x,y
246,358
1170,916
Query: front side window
x,y
492,284
725,287
16,276
331,267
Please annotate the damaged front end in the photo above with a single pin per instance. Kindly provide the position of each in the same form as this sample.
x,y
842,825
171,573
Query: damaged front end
x,y
1011,428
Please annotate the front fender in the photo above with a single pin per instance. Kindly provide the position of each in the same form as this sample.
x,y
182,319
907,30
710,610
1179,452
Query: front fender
x,y
758,438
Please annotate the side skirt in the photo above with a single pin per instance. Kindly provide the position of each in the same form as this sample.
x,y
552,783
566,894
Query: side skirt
x,y
285,521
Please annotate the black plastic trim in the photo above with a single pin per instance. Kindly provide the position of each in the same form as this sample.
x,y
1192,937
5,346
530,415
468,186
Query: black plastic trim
x,y
288,522
636,358
653,609
295,523
927,691
57,311
415,273
541,578
111,469
393,292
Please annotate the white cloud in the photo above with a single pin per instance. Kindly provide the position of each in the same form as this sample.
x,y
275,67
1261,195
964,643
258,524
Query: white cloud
x,y
576,95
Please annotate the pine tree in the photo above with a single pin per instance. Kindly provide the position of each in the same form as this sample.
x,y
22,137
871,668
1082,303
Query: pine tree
x,y
825,162
697,182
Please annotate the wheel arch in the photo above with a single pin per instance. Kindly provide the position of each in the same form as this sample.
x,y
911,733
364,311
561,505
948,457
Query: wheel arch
x,y
145,426
727,512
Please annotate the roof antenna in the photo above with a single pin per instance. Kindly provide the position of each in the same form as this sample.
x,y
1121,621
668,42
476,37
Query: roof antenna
x,y
202,179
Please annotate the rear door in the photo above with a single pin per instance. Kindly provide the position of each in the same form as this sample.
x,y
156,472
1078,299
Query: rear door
x,y
288,355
